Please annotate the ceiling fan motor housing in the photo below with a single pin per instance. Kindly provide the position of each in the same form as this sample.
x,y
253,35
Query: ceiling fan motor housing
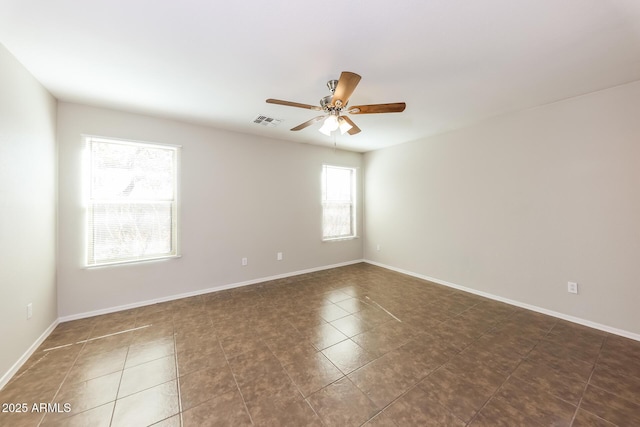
x,y
325,103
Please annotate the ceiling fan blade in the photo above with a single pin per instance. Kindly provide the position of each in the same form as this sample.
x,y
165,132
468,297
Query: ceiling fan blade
x,y
346,85
354,129
293,104
397,107
308,123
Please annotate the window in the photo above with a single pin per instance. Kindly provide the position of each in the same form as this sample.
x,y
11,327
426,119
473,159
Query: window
x,y
338,202
132,205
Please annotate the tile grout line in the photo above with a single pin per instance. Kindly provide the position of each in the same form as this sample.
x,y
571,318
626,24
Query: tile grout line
x,y
459,351
420,380
510,374
84,344
97,338
584,390
524,358
226,358
75,360
115,402
304,398
344,375
175,358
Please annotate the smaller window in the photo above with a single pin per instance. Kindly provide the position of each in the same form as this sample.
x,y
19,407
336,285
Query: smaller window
x,y
338,202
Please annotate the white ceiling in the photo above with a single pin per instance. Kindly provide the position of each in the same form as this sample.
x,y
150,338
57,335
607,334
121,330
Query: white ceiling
x,y
454,62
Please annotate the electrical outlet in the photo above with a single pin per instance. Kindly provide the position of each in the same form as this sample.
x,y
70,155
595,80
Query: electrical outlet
x,y
572,287
279,256
245,261
29,311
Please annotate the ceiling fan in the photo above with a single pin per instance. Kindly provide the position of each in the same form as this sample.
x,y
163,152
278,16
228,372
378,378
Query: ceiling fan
x,y
335,105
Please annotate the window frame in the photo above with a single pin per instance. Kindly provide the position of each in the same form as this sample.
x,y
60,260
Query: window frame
x,y
352,203
90,202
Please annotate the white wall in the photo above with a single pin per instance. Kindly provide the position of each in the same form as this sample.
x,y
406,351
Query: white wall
x,y
521,204
242,196
27,211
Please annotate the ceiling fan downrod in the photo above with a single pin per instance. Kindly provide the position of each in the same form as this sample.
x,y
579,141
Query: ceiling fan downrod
x,y
326,102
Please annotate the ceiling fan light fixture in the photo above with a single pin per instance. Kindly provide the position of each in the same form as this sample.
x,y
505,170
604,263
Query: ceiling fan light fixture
x,y
330,124
344,126
324,130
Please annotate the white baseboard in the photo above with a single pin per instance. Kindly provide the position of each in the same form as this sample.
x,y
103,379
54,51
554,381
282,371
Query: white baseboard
x,y
573,319
27,354
202,291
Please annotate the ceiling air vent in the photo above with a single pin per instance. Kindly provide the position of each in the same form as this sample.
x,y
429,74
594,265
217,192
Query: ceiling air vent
x,y
267,121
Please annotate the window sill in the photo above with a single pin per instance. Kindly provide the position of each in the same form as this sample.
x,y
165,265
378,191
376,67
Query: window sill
x,y
340,239
132,261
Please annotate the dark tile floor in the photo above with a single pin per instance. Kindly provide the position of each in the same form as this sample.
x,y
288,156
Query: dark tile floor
x,y
343,347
